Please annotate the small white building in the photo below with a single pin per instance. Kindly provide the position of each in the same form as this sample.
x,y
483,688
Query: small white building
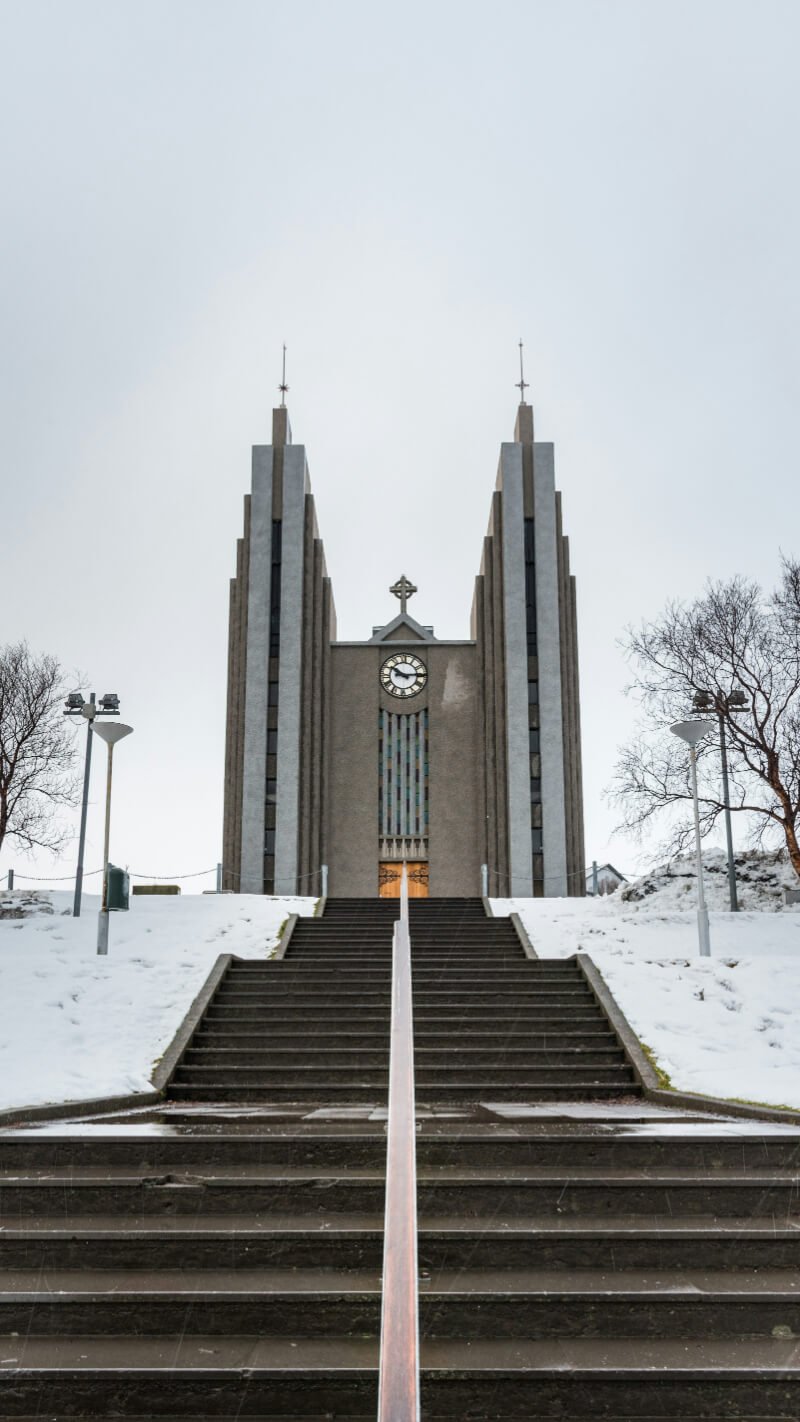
x,y
606,877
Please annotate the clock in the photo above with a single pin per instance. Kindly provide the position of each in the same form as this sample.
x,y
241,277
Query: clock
x,y
403,675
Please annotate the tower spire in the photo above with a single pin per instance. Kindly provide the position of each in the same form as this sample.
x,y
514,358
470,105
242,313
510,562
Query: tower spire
x,y
283,387
522,384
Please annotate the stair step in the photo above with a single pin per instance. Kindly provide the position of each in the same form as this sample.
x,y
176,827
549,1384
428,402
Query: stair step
x,y
467,1058
375,1093
554,1147
220,1036
300,974
427,1073
336,1375
112,1241
222,1255
506,1304
292,1013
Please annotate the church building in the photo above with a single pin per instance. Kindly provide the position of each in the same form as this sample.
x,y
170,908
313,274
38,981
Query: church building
x,y
461,758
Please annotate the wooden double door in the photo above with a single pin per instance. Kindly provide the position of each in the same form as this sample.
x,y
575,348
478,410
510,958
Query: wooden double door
x,y
390,873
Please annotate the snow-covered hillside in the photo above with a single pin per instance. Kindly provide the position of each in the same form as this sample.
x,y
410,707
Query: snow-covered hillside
x,y
761,879
725,1025
73,1025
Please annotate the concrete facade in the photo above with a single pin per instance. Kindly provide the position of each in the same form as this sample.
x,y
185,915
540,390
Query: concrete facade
x,y
515,664
478,765
293,512
548,627
254,774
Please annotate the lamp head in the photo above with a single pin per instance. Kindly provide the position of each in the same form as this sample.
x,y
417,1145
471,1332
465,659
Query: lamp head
x,y
111,731
692,731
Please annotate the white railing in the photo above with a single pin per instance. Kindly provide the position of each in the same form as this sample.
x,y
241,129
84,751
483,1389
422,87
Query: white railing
x,y
398,1389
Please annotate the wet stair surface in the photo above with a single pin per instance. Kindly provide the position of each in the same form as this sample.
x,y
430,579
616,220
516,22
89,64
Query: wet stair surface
x,y
582,1255
489,1022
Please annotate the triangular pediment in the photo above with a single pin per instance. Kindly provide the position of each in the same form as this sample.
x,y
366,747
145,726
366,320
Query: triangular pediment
x,y
403,628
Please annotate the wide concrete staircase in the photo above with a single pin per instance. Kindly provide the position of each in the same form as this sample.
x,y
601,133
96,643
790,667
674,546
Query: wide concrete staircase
x,y
579,1258
490,1023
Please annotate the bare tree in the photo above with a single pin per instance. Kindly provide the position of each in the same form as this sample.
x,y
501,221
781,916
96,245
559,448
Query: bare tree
x,y
733,638
36,749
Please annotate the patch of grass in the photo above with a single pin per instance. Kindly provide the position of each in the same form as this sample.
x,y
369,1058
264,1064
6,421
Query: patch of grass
x,y
273,950
665,1081
663,1078
769,1105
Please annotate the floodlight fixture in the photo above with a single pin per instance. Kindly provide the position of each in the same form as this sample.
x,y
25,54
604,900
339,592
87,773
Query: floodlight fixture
x,y
722,702
89,709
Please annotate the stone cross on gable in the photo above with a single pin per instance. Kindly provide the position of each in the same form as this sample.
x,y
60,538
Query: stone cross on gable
x,y
404,589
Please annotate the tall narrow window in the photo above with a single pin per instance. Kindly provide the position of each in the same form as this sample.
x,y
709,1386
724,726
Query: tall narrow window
x,y
273,695
533,705
403,774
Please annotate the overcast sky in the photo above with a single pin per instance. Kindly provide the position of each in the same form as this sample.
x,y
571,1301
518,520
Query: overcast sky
x,y
399,193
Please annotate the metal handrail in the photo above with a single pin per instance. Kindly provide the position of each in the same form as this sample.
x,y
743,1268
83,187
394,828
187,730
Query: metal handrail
x,y
398,1387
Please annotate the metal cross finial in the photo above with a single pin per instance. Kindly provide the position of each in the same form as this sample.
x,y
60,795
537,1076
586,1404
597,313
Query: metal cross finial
x,y
522,384
404,590
283,387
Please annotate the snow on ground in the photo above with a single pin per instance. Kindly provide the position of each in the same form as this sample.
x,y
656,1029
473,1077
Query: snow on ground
x,y
725,1025
74,1025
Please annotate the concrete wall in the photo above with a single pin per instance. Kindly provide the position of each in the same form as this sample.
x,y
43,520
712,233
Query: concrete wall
x,y
280,491
526,490
256,677
450,696
287,817
515,646
352,812
234,727
318,632
570,700
455,759
548,636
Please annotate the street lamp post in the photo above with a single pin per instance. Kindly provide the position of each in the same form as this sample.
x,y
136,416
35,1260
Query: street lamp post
x,y
717,701
76,706
109,733
691,732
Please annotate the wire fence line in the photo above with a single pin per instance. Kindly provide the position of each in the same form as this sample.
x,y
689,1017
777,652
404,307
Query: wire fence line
x,y
87,874
228,876
233,881
231,877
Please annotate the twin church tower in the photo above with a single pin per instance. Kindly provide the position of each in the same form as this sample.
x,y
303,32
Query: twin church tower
x,y
359,755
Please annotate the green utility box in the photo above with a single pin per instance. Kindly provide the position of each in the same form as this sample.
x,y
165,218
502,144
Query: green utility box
x,y
118,888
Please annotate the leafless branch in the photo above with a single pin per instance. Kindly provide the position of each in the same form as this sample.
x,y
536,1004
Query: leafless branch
x,y
36,749
732,638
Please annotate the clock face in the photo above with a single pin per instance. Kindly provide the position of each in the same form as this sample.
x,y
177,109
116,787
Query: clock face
x,y
403,675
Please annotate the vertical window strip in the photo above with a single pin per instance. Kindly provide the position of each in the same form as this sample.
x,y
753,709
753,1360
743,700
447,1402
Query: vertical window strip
x,y
403,796
533,685
273,687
